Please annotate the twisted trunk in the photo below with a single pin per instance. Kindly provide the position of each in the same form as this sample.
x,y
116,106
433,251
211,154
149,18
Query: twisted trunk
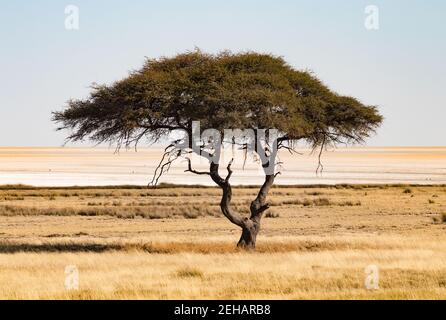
x,y
250,226
257,208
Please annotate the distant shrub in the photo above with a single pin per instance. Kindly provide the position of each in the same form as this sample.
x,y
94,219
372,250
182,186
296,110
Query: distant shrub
x,y
188,272
440,219
271,214
190,215
314,193
291,202
442,283
350,203
320,202
407,191
14,198
125,215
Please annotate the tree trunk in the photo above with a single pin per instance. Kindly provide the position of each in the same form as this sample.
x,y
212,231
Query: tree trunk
x,y
258,207
249,236
250,226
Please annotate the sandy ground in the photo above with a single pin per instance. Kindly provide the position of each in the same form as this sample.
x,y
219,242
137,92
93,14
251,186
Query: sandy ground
x,y
101,166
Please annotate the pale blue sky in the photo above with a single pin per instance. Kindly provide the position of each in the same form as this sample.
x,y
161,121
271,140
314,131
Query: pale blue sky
x,y
400,67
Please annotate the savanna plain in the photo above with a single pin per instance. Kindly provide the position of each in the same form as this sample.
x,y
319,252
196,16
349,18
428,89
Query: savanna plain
x,y
173,243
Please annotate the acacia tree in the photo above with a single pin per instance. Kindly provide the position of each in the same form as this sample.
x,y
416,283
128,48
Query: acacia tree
x,y
223,91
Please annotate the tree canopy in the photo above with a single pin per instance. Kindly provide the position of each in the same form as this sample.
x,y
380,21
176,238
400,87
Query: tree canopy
x,y
222,91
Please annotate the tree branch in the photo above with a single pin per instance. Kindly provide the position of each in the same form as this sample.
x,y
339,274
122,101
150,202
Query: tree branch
x,y
225,203
189,169
229,170
170,155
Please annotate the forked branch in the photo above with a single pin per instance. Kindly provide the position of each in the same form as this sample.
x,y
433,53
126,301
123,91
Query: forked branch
x,y
189,169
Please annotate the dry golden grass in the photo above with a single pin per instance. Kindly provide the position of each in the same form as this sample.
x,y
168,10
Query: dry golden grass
x,y
315,245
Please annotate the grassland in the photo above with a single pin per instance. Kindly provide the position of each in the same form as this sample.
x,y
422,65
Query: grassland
x,y
172,243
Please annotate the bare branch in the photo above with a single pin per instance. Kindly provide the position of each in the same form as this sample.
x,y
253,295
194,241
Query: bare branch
x,y
320,166
170,155
291,150
229,170
189,169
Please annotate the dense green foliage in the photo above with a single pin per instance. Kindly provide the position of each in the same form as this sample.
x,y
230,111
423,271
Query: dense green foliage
x,y
223,91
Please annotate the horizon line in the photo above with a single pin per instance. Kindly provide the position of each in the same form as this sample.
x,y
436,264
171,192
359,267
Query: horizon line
x,y
341,146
